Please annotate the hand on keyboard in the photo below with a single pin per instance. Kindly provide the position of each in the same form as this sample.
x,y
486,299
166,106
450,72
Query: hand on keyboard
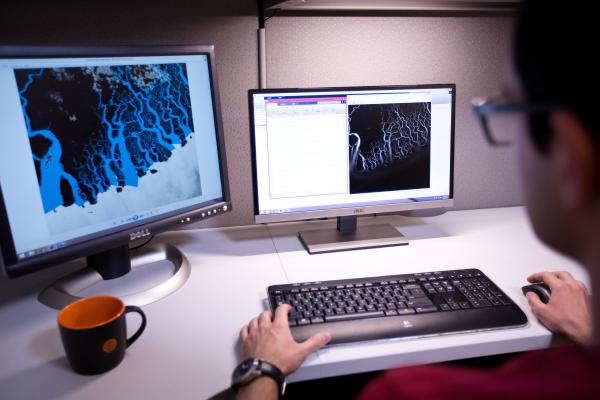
x,y
273,341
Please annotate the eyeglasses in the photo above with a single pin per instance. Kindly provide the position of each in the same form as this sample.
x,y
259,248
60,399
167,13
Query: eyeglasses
x,y
484,108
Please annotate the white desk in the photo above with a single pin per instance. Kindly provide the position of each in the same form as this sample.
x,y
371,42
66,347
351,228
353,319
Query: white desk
x,y
188,348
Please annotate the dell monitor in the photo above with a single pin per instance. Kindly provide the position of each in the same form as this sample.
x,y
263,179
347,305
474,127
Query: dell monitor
x,y
102,146
349,151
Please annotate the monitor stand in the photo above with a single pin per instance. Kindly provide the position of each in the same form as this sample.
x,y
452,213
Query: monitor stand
x,y
65,290
348,237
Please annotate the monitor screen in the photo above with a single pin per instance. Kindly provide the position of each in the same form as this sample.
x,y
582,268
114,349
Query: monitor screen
x,y
100,146
347,151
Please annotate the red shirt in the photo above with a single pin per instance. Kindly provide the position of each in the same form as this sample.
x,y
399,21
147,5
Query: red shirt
x,y
567,372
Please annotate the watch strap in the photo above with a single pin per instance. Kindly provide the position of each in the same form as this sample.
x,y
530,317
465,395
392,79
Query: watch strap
x,y
274,372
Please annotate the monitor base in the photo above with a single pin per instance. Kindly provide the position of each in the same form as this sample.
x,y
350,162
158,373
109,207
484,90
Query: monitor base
x,y
364,237
65,290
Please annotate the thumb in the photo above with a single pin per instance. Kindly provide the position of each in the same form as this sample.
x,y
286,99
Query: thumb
x,y
535,303
315,342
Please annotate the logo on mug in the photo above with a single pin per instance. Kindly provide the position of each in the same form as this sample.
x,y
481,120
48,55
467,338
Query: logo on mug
x,y
109,346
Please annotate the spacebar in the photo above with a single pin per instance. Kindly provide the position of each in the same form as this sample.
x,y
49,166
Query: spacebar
x,y
346,317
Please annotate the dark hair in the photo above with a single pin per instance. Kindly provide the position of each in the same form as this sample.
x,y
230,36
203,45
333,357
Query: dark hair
x,y
555,58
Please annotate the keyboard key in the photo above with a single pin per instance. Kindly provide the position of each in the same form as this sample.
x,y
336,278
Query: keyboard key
x,y
481,303
347,317
403,311
426,309
317,320
419,303
303,321
413,286
503,299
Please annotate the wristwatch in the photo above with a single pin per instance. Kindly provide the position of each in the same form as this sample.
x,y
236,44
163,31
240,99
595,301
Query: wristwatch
x,y
252,368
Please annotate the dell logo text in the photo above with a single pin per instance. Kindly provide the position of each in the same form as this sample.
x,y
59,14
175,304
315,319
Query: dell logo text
x,y
139,234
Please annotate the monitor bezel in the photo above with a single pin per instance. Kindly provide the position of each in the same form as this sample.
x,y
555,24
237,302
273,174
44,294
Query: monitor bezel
x,y
351,210
12,267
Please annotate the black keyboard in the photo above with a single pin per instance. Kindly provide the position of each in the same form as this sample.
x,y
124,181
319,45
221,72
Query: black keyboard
x,y
408,305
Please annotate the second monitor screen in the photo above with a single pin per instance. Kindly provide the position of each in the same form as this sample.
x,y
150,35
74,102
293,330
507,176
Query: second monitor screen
x,y
329,149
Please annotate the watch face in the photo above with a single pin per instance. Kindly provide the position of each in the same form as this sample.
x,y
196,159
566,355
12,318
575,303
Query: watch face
x,y
245,370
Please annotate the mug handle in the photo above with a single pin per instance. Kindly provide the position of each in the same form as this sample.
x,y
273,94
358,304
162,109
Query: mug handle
x,y
137,334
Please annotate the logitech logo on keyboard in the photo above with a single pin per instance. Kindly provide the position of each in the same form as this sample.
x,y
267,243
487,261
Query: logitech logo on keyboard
x,y
407,324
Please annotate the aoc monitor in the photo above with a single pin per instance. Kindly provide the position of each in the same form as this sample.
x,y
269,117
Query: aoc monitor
x,y
348,151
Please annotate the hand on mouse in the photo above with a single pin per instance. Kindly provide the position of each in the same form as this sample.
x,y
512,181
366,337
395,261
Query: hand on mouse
x,y
569,309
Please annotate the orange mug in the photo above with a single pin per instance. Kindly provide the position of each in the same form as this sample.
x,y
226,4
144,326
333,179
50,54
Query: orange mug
x,y
94,333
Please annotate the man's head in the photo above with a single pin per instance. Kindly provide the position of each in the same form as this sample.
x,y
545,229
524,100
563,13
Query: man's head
x,y
555,55
559,150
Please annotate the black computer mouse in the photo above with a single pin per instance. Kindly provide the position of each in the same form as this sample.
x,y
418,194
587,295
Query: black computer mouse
x,y
539,288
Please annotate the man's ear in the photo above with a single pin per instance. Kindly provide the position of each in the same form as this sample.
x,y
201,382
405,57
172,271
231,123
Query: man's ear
x,y
574,161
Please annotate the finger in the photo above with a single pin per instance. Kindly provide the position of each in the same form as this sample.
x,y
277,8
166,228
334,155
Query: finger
x,y
244,333
537,277
564,276
585,289
253,325
535,303
281,314
315,342
549,278
264,319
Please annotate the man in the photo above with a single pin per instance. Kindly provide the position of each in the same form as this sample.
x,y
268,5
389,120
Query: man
x,y
558,146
